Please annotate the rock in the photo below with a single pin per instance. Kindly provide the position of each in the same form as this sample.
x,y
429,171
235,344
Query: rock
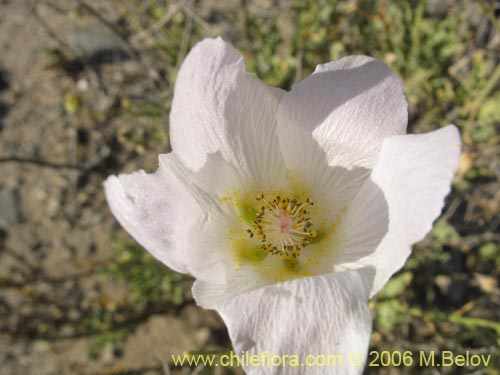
x,y
487,283
155,341
4,82
9,207
201,336
439,7
92,38
107,354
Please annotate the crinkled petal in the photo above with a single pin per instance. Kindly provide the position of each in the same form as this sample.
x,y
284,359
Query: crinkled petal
x,y
348,106
152,208
320,315
176,214
414,172
219,106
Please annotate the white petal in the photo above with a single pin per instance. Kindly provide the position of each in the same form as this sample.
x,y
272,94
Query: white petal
x,y
348,106
414,172
332,186
176,214
209,293
215,177
204,236
219,106
152,208
364,226
320,315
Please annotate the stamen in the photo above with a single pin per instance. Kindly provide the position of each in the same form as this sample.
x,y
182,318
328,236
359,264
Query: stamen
x,y
283,226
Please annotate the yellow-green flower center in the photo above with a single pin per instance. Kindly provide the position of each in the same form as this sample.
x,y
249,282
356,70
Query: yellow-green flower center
x,y
281,233
282,224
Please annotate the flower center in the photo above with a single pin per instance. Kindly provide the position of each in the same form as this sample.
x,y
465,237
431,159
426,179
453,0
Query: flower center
x,y
283,225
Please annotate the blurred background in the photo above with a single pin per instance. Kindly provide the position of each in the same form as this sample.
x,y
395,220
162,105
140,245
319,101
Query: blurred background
x,y
85,92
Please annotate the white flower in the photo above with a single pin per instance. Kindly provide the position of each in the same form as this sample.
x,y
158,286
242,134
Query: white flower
x,y
289,208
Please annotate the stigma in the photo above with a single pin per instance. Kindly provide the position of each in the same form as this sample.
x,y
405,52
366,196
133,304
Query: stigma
x,y
283,225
